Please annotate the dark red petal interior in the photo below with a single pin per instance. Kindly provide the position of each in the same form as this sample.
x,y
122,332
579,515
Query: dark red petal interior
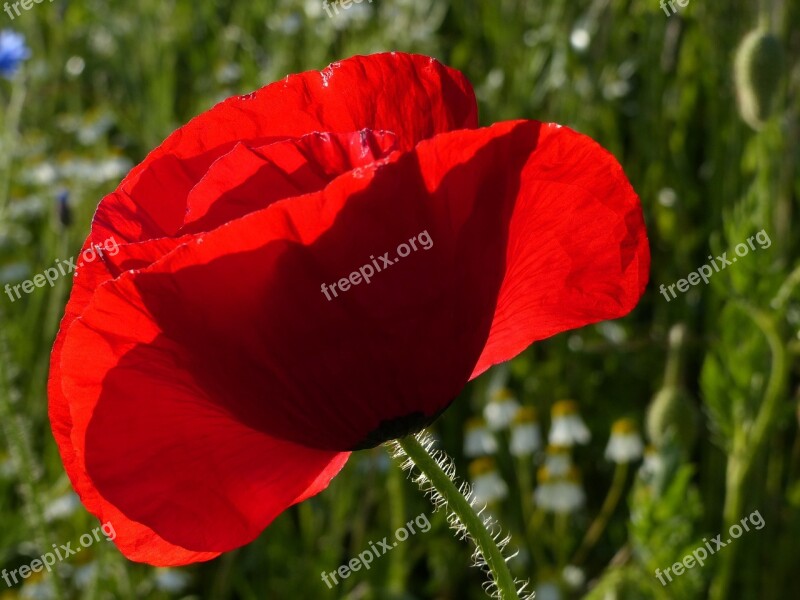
x,y
413,96
200,478
516,244
230,347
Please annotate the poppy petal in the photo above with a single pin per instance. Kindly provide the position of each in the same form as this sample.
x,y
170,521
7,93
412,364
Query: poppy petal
x,y
144,545
247,179
569,263
531,227
204,481
414,96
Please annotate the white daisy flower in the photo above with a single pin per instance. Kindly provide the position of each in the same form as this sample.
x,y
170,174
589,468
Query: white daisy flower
x,y
171,580
653,464
478,440
558,461
487,485
560,495
573,576
548,590
625,444
568,428
501,409
62,507
526,435
568,496
85,574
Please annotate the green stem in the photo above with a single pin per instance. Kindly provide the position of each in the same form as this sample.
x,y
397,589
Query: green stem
x,y
786,289
458,504
528,512
776,389
398,563
9,133
748,446
561,528
538,529
765,14
600,523
674,369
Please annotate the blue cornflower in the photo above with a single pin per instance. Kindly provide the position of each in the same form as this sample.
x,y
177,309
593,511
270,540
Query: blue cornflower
x,y
12,52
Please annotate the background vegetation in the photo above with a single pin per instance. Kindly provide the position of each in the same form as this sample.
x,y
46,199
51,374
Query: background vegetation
x,y
106,82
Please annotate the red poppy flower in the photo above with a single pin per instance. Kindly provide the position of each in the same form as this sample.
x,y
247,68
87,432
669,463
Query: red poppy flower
x,y
311,269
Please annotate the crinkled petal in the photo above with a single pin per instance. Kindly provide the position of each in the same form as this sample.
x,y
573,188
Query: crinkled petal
x,y
247,179
414,96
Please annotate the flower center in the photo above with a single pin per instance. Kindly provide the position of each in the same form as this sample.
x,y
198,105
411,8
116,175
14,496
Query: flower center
x,y
398,427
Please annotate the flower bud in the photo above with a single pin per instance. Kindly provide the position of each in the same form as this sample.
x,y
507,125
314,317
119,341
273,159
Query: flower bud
x,y
758,67
63,208
672,411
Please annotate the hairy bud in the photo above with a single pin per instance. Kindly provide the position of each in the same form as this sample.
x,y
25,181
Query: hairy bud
x,y
758,67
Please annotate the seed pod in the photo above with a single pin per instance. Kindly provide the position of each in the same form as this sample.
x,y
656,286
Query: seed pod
x,y
758,67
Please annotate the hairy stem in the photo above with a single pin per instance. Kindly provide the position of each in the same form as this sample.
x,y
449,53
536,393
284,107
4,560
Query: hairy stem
x,y
461,506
